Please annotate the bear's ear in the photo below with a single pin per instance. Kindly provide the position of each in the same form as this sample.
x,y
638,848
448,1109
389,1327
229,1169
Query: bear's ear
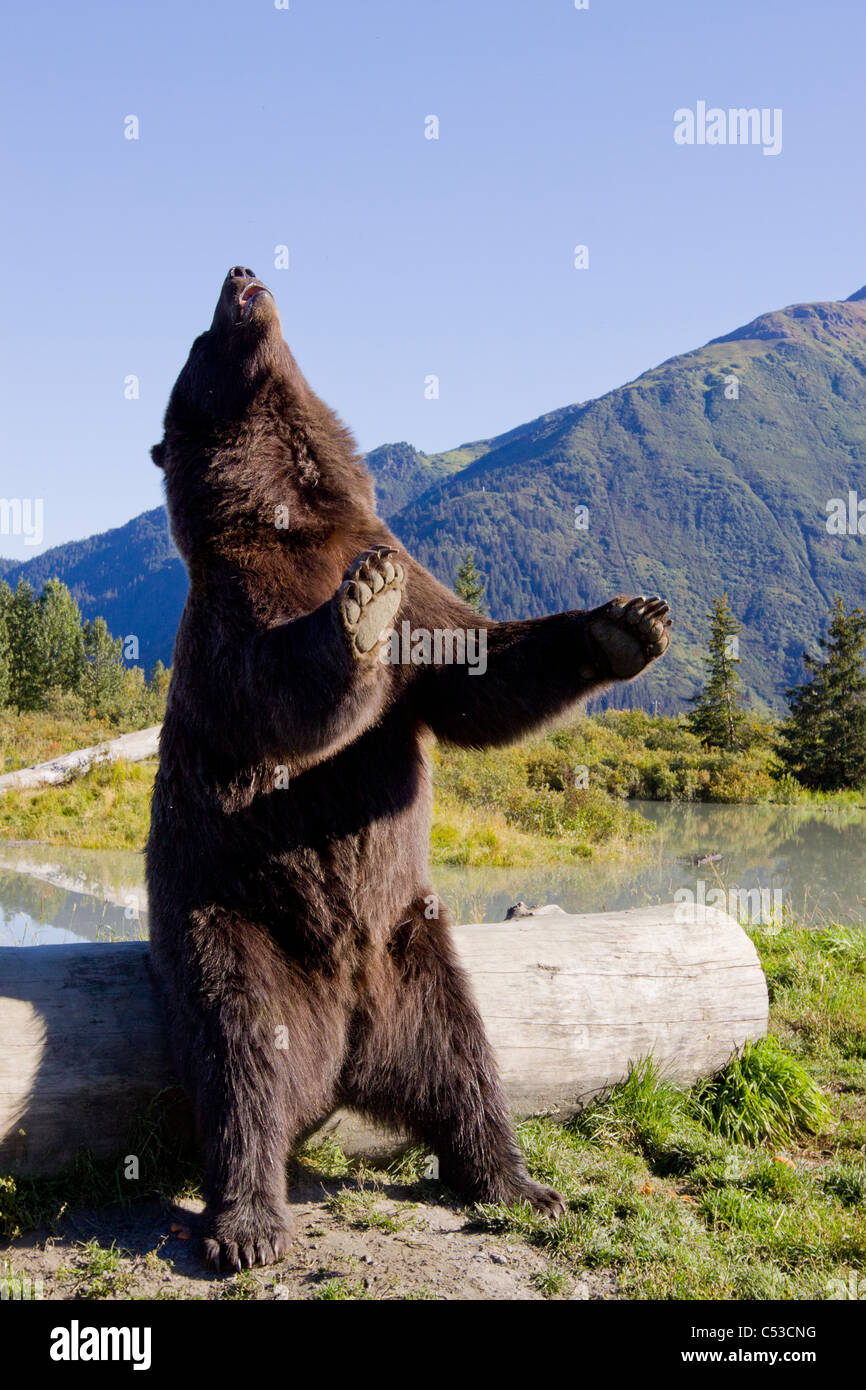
x,y
157,453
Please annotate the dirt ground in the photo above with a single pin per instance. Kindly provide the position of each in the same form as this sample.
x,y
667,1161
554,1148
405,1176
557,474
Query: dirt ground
x,y
352,1242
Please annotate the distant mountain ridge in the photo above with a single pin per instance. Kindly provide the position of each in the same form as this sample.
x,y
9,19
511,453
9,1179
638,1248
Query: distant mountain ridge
x,y
709,473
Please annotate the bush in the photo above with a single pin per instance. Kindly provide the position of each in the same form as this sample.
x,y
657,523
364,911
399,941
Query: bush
x,y
532,787
64,704
763,1094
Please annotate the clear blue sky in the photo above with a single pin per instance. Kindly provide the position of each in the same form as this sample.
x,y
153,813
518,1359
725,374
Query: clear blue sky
x,y
409,256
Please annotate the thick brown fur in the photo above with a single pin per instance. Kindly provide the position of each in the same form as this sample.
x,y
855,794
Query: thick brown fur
x,y
303,958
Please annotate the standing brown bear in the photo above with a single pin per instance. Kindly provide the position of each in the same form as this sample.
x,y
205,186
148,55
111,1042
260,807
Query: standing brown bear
x,y
302,957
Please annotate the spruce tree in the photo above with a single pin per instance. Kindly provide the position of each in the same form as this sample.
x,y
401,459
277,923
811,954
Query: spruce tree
x,y
102,678
470,585
823,740
158,685
718,716
62,636
5,654
26,649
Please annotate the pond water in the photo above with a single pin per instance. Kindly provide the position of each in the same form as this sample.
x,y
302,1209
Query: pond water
x,y
49,895
762,859
759,860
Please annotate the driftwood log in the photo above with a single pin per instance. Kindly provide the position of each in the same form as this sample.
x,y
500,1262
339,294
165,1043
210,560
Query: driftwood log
x,y
569,1003
128,748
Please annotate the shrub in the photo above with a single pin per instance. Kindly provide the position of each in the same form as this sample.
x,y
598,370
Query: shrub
x,y
763,1094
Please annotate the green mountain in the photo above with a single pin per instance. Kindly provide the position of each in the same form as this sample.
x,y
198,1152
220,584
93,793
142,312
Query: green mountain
x,y
710,473
402,473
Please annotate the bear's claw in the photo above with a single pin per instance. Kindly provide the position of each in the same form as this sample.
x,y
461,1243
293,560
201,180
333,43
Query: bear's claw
x,y
369,597
545,1200
240,1239
631,632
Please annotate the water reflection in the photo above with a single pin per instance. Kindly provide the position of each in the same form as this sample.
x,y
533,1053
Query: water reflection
x,y
813,862
50,895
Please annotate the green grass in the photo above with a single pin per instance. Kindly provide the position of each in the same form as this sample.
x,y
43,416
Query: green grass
x,y
639,1113
107,808
491,809
693,1218
630,753
765,1094
342,1290
750,1186
97,1272
553,799
35,737
501,806
818,1004
242,1288
362,1210
553,1282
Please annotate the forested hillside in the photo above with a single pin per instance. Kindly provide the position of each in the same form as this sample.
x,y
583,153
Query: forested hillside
x,y
710,473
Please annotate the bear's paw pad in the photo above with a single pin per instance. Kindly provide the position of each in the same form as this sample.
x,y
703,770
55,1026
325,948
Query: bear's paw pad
x,y
631,632
370,596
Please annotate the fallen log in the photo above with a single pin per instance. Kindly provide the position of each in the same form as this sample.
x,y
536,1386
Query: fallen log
x,y
569,1003
129,748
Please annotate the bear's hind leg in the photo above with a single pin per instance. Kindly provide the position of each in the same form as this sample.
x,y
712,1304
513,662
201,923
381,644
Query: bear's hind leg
x,y
419,1060
259,1043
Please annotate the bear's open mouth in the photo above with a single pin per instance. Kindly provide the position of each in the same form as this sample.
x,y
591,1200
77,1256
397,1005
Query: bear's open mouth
x,y
249,293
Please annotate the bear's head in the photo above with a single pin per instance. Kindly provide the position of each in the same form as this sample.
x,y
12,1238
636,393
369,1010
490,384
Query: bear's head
x,y
246,440
242,352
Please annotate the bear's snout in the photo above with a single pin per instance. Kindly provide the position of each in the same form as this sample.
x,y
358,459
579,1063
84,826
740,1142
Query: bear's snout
x,y
241,288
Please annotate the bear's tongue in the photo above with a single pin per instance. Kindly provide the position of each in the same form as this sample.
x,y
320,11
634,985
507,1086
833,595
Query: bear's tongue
x,y
249,295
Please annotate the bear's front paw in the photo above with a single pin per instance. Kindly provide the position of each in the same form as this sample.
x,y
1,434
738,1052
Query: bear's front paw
x,y
247,1233
369,597
631,632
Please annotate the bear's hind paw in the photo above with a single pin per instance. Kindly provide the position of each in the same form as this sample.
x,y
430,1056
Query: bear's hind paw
x,y
238,1239
545,1200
